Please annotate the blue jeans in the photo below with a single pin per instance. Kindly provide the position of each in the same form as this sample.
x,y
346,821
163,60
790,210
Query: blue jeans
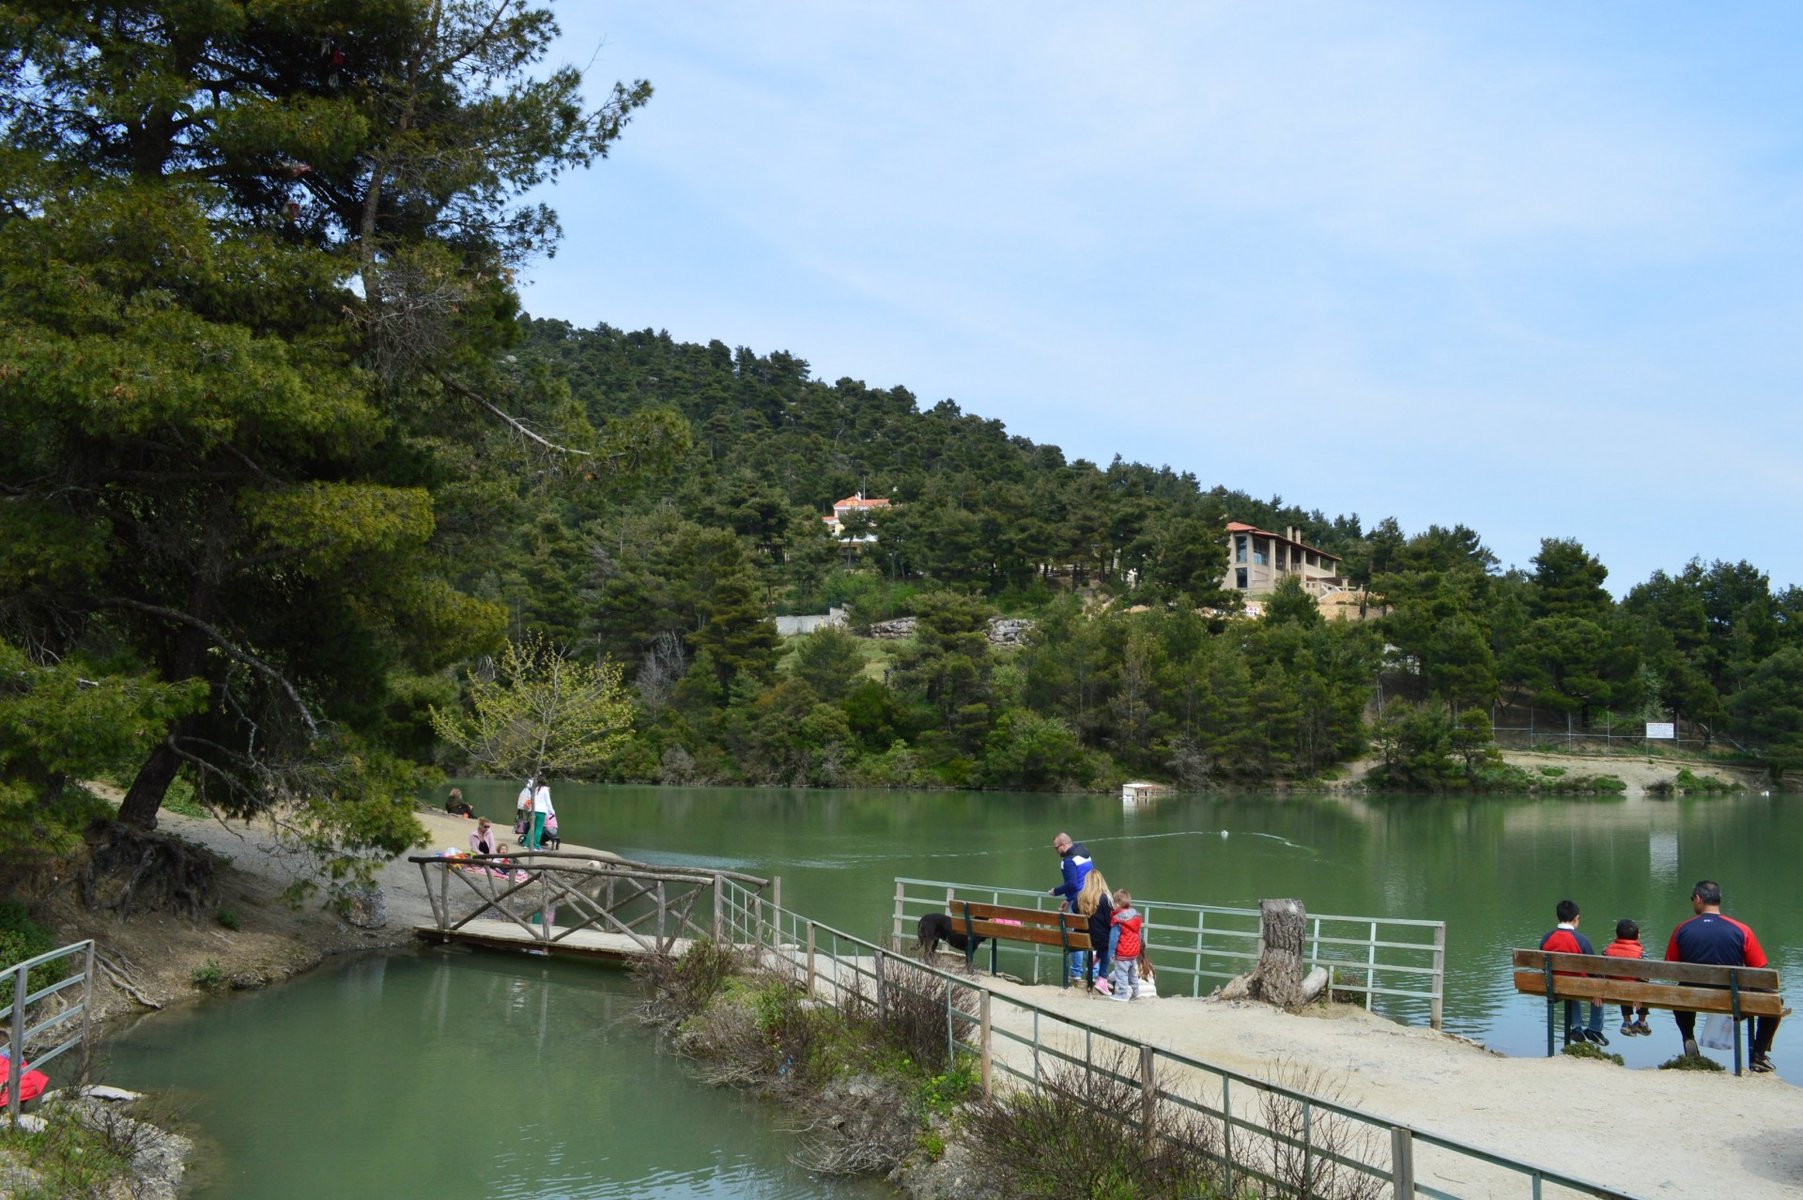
x,y
1574,1014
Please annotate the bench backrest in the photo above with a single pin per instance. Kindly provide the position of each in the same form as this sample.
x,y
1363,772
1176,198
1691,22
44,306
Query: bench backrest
x,y
1700,987
1010,924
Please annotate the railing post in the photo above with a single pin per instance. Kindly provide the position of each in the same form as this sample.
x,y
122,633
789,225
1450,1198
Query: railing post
x,y
810,988
1371,968
719,899
1402,1162
15,1047
1148,1090
880,1010
87,1010
1439,1000
985,1054
895,925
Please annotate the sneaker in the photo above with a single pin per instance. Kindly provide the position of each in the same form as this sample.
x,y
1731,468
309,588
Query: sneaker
x,y
1645,1029
1104,987
1690,1048
1760,1064
1597,1036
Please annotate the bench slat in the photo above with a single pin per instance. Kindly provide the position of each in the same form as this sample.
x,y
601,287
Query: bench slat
x,y
1760,978
1038,935
1675,996
1026,916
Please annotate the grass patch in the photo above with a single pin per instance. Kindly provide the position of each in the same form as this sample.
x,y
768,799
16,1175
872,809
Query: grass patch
x,y
1552,772
1691,1062
180,798
209,977
1588,1050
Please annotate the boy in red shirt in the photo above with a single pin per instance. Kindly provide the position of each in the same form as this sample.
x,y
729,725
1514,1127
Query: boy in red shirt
x,y
1627,945
1565,939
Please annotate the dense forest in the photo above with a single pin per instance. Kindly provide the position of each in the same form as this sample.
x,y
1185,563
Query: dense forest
x,y
1137,662
288,481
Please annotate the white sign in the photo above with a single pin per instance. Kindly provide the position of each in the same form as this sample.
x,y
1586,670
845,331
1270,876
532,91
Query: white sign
x,y
1665,730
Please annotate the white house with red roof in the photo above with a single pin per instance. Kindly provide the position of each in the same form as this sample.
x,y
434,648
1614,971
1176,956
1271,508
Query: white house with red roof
x,y
851,504
1257,559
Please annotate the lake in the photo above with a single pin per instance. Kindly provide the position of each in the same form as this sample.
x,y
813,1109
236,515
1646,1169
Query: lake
x,y
505,1076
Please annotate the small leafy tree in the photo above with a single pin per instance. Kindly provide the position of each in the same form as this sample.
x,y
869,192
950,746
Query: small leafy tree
x,y
540,713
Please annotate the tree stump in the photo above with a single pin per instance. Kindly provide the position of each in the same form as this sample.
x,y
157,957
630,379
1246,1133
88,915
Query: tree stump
x,y
1283,928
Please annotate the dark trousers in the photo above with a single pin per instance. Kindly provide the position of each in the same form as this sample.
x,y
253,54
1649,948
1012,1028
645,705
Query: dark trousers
x,y
1764,1030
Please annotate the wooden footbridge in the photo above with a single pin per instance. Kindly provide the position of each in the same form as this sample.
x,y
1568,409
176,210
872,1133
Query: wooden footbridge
x,y
581,905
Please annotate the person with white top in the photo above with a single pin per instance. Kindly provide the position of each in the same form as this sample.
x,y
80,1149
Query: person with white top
x,y
540,811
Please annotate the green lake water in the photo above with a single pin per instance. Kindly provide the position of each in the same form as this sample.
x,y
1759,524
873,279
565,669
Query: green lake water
x,y
506,1076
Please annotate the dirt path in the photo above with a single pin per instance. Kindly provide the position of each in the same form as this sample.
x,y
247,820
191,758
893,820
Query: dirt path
x,y
1650,1133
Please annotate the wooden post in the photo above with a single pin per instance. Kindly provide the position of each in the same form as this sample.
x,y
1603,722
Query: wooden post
x,y
1148,1090
880,1009
663,919
1402,1162
776,897
985,1055
1282,930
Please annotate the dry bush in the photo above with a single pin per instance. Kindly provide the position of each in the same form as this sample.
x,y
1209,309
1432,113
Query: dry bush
x,y
679,987
913,1016
1084,1132
1303,1153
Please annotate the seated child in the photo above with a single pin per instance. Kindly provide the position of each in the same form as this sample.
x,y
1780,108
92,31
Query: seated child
x,y
457,806
1148,981
1127,920
1627,945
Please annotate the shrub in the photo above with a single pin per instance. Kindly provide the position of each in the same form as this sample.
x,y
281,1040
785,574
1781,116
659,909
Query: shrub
x,y
227,918
1586,1050
22,938
1690,1062
211,976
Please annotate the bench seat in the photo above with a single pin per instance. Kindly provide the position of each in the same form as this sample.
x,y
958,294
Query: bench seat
x,y
1068,931
1685,987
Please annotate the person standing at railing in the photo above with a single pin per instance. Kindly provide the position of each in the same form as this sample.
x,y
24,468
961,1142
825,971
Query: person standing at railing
x,y
1095,902
1075,864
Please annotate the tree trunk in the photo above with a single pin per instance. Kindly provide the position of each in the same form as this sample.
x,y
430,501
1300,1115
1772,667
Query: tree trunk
x,y
1283,926
147,790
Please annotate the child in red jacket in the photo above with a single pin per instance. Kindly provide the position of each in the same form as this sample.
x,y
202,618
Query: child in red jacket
x,y
1627,945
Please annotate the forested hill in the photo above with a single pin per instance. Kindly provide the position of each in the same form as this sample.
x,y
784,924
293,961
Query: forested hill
x,y
676,582
982,507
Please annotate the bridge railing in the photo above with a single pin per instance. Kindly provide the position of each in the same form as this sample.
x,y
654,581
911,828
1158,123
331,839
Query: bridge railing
x,y
1267,1130
49,1010
548,897
1397,966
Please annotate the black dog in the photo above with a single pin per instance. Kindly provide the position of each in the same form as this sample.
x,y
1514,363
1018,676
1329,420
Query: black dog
x,y
937,927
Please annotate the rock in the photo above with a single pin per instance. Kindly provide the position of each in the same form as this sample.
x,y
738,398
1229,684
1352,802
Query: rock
x,y
1313,984
366,908
102,1091
31,1123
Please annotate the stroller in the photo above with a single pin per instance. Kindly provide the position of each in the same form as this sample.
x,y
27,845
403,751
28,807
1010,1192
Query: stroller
x,y
522,828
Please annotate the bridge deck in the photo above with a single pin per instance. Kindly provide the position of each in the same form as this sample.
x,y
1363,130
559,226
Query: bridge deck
x,y
583,943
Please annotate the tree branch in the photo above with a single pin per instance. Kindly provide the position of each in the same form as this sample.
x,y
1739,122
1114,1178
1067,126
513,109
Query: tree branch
x,y
224,643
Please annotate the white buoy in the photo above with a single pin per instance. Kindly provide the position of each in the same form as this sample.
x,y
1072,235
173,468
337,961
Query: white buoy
x,y
1223,833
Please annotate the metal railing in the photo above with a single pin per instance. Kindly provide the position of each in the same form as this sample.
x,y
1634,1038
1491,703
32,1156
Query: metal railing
x,y
1398,966
22,1033
651,906
1016,1040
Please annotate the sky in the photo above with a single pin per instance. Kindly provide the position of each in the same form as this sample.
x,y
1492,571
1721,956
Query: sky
x,y
1536,269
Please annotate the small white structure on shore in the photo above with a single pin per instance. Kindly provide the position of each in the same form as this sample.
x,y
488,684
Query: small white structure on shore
x,y
1139,791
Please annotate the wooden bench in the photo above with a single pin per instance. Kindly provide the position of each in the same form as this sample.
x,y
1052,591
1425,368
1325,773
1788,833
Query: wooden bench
x,y
1693,987
1068,931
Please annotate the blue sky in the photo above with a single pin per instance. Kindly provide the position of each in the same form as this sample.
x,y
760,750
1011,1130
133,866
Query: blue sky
x,y
1533,268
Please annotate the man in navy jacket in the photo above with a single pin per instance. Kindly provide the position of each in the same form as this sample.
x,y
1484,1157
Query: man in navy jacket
x,y
1075,864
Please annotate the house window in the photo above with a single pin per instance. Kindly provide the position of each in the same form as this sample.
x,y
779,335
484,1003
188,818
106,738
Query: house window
x,y
1239,579
1261,555
1239,550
